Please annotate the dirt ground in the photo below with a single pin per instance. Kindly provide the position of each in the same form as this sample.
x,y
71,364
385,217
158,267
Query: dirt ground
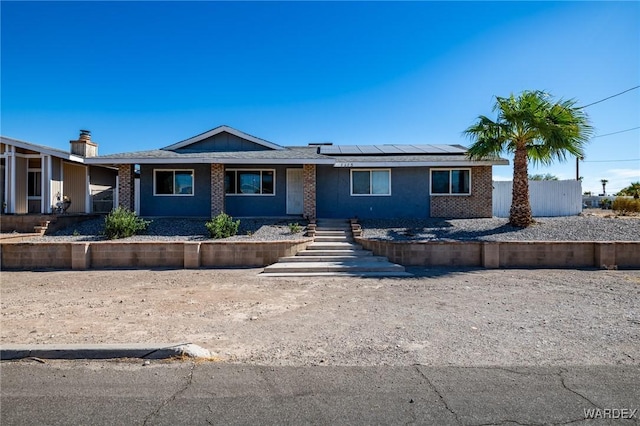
x,y
441,317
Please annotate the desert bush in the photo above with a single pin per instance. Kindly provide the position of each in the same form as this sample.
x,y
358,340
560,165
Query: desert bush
x,y
294,228
122,223
623,205
222,226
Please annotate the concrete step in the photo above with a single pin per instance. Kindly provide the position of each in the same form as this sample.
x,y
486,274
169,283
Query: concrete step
x,y
353,266
333,253
310,253
332,222
335,258
332,239
345,228
333,246
333,225
322,233
338,274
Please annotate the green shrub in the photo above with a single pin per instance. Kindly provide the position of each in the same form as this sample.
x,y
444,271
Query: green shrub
x,y
623,205
222,226
294,228
123,223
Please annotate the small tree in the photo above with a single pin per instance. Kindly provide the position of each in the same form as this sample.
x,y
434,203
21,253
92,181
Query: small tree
x,y
604,186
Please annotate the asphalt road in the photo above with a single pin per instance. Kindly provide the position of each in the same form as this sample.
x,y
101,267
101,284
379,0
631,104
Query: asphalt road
x,y
187,392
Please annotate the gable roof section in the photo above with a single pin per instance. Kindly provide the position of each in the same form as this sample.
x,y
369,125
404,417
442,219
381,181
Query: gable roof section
x,y
54,152
219,130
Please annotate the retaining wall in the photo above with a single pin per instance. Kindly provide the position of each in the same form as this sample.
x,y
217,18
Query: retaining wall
x,y
114,254
27,222
511,254
211,254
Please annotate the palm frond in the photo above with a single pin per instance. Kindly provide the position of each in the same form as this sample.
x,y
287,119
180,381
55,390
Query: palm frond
x,y
488,138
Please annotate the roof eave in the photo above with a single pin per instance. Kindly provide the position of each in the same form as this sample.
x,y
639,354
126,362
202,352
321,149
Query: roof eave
x,y
104,161
457,163
41,149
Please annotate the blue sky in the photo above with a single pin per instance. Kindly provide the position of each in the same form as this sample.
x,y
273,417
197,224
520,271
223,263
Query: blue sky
x,y
143,75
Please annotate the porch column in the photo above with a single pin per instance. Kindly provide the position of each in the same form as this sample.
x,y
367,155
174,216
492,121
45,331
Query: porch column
x,y
217,189
309,191
45,178
125,186
10,163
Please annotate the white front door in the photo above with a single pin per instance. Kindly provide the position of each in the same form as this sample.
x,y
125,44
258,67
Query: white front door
x,y
294,191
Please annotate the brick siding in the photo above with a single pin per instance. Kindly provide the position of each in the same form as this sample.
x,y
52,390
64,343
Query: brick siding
x,y
478,204
217,189
125,186
309,190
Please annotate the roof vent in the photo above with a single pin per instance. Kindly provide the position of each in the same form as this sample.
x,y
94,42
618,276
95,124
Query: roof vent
x,y
320,143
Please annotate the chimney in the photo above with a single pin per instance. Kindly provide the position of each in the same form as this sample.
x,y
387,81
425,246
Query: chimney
x,y
83,146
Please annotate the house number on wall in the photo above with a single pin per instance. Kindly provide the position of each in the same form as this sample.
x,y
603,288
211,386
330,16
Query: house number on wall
x,y
344,164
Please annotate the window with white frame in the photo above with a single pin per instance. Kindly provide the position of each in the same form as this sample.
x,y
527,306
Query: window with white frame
x,y
173,182
249,182
450,181
370,182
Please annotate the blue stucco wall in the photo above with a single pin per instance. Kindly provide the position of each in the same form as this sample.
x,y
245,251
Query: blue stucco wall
x,y
222,142
166,205
409,195
260,205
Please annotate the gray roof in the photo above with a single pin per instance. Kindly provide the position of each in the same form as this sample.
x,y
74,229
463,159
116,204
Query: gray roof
x,y
392,155
284,156
295,155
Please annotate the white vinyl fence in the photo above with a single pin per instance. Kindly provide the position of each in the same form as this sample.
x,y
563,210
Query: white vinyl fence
x,y
547,197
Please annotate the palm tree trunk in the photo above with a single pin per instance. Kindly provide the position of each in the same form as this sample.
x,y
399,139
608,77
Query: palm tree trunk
x,y
520,213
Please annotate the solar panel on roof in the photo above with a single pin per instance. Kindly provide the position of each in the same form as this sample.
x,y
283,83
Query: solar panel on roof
x,y
329,150
369,149
391,149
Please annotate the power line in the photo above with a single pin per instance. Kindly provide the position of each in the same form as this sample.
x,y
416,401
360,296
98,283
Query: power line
x,y
609,161
615,133
609,97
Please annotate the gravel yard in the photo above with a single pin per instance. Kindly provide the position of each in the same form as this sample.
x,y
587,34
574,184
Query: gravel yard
x,y
570,228
182,229
586,227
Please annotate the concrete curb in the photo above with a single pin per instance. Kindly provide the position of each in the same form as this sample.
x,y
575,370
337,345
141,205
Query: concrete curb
x,y
144,351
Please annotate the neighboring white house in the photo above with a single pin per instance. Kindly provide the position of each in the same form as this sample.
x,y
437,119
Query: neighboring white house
x,y
36,178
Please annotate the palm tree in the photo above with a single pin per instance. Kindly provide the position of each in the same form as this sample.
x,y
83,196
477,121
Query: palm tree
x,y
632,190
604,183
532,127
